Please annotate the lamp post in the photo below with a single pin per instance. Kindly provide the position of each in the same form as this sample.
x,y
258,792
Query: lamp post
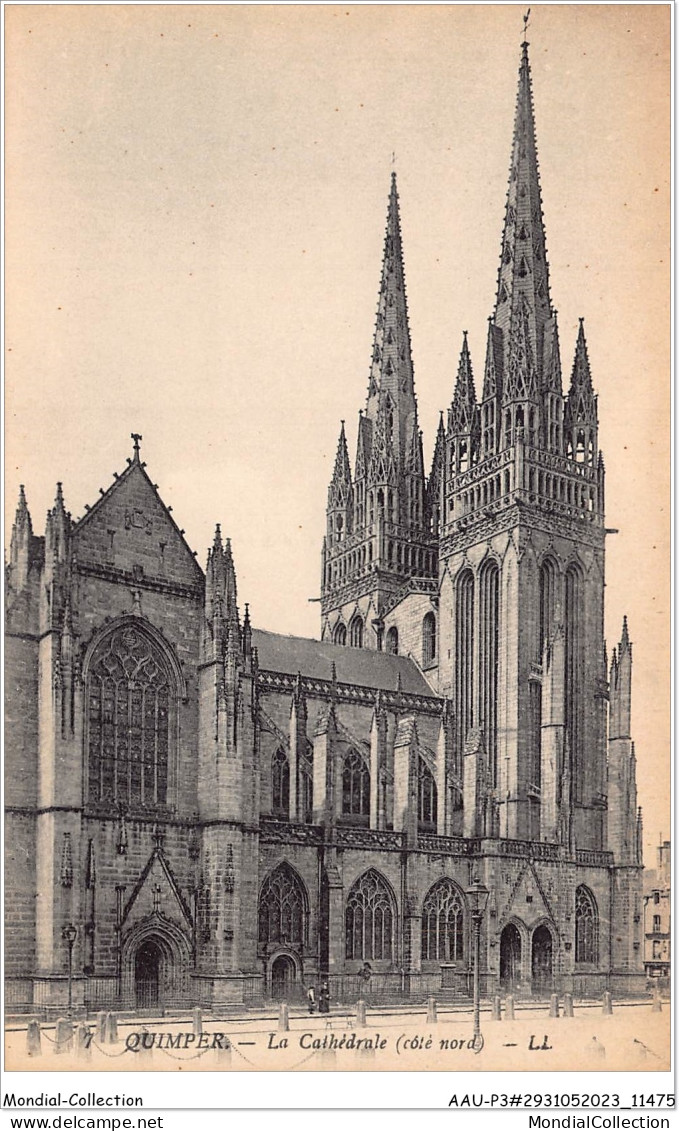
x,y
69,936
477,899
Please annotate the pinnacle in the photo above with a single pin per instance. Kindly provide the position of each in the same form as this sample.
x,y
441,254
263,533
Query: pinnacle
x,y
624,639
22,506
581,377
342,472
217,544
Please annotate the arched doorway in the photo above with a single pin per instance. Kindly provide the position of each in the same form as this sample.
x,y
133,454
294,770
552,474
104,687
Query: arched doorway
x,y
147,963
541,960
282,978
510,957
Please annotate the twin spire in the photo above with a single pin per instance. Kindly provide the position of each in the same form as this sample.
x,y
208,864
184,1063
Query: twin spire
x,y
391,369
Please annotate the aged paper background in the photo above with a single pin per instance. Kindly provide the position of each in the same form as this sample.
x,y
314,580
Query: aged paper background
x,y
195,207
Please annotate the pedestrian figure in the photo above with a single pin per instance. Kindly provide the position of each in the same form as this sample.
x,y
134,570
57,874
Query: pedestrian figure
x,y
311,998
324,999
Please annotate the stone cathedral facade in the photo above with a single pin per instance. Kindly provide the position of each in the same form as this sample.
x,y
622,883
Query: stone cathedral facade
x,y
225,814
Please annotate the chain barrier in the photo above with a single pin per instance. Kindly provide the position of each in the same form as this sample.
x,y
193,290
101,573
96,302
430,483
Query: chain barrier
x,y
109,1054
194,1055
53,1040
646,1049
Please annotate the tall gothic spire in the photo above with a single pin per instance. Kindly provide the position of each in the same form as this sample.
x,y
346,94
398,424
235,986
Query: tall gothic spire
x,y
523,277
392,368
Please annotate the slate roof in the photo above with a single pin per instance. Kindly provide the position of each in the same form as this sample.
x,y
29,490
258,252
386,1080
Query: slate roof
x,y
361,666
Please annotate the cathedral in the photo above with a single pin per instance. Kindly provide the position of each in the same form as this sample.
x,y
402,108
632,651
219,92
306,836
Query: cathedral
x,y
201,812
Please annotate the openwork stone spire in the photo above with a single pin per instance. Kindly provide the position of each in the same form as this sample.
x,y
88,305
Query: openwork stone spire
x,y
392,368
523,277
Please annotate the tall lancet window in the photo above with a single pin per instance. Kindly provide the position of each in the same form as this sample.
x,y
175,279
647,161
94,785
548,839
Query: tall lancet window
x,y
130,694
428,640
464,660
574,675
547,603
490,615
427,800
280,784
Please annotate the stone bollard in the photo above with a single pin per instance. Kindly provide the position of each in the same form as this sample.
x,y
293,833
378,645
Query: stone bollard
x,y
283,1018
568,1005
63,1036
111,1029
364,1059
224,1054
509,1007
101,1028
145,1047
607,1003
596,1049
554,1005
497,1008
360,1014
83,1040
197,1022
656,1007
431,1011
33,1043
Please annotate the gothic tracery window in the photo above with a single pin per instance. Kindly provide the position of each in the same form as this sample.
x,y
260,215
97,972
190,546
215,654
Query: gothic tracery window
x,y
283,907
370,919
355,787
443,923
280,784
586,926
129,700
392,641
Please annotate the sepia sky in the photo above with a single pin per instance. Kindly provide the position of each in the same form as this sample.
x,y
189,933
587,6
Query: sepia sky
x,y
196,200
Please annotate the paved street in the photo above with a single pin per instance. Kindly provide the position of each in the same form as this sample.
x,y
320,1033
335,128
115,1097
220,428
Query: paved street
x,y
633,1037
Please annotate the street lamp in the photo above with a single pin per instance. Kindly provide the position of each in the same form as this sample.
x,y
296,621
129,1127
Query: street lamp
x,y
477,899
69,936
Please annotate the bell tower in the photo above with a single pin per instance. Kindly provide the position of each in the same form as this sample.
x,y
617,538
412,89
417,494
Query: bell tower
x,y
522,547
